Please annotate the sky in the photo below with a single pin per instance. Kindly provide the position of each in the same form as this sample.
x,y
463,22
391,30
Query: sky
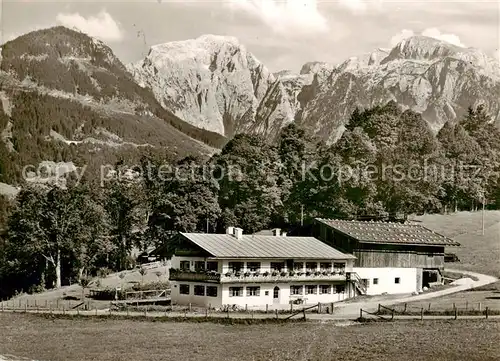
x,y
283,34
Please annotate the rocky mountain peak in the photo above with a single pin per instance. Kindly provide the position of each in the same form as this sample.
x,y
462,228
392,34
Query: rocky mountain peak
x,y
212,81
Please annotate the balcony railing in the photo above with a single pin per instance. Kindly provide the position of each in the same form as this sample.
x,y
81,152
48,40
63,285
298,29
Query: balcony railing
x,y
196,276
282,276
256,277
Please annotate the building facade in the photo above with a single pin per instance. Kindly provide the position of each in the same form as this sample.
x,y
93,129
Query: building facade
x,y
391,258
258,272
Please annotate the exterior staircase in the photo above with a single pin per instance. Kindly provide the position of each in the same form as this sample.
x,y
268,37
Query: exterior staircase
x,y
359,283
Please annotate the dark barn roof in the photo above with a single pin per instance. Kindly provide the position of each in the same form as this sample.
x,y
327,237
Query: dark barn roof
x,y
388,232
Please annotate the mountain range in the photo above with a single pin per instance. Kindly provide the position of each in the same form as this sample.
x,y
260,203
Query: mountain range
x,y
214,83
67,98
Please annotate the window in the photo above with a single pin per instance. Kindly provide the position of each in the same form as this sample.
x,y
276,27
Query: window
x,y
212,266
298,266
397,280
184,265
184,289
339,266
212,291
253,291
324,289
235,291
296,290
235,267
199,290
253,266
339,289
366,282
325,266
375,281
311,289
311,265
199,265
266,293
277,266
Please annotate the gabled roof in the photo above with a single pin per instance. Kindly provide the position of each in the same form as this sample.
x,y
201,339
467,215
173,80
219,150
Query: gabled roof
x,y
388,232
256,246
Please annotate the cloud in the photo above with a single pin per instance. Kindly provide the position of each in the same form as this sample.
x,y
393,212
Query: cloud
x,y
101,26
436,34
404,34
286,17
430,32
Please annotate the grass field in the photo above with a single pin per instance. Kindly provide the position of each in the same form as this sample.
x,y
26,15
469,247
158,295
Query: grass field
x,y
115,340
477,252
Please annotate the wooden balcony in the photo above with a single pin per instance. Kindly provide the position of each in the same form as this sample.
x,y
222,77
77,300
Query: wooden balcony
x,y
182,275
282,277
256,277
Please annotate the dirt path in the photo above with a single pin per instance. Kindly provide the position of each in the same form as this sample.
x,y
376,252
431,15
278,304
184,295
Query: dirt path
x,y
351,309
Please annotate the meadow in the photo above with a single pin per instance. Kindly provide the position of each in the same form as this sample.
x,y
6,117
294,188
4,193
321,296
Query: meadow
x,y
115,340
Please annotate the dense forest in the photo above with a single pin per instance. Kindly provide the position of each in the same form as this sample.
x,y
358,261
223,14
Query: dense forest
x,y
387,164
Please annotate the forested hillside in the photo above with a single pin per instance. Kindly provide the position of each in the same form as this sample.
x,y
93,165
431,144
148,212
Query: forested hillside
x,y
65,96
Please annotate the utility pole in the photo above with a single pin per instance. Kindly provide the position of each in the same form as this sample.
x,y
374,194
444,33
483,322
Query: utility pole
x,y
301,215
482,216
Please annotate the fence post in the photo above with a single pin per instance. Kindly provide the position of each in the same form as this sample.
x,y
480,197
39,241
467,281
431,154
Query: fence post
x,y
206,312
332,306
304,313
360,313
276,311
146,311
479,306
456,314
319,307
267,307
392,315
96,311
227,313
429,307
189,306
378,308
2,307
126,307
405,308
246,307
35,303
466,306
454,306
291,307
422,314
25,307
486,313
57,303
64,310
253,313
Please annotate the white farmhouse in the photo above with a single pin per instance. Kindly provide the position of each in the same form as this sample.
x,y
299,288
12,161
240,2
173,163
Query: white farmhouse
x,y
258,272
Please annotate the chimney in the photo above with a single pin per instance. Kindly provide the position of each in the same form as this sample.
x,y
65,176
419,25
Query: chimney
x,y
238,233
276,232
230,230
283,234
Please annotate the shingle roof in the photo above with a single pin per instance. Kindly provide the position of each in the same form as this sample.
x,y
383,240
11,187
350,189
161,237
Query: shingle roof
x,y
388,232
256,246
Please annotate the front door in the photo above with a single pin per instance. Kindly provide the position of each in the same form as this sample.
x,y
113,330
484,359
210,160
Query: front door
x,y
276,295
